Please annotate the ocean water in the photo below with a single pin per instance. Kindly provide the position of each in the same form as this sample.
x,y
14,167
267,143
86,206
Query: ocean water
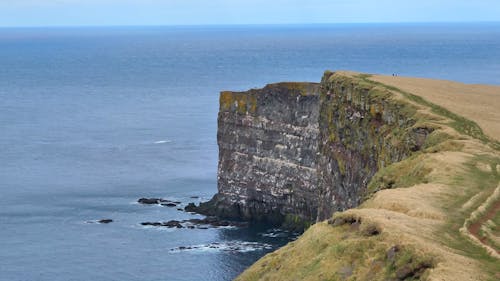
x,y
91,119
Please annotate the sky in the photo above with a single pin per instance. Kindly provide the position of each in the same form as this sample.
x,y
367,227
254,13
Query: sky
x,y
201,12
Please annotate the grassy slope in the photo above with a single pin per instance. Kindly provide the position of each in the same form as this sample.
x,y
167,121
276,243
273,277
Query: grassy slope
x,y
416,227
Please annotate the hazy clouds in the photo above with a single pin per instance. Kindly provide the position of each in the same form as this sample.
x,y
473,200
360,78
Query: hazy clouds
x,y
164,12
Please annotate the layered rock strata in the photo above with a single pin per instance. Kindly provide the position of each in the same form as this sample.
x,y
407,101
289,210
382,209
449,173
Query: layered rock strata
x,y
297,152
268,144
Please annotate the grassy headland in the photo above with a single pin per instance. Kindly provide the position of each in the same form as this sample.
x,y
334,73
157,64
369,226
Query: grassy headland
x,y
432,216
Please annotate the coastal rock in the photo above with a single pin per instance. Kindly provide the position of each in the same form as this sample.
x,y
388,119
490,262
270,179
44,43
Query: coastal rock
x,y
150,201
216,222
191,207
231,246
170,204
173,223
205,223
295,153
267,154
101,221
161,201
169,224
151,223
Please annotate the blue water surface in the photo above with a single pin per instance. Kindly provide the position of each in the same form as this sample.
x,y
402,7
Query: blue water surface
x,y
91,119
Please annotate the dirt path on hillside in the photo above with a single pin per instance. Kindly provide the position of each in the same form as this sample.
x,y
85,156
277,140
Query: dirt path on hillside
x,y
476,227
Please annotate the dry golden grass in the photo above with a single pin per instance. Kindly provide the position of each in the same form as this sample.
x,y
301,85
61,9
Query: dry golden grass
x,y
479,103
425,219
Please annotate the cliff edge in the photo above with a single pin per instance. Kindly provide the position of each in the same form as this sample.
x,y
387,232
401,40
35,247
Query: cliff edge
x,y
268,150
295,153
405,183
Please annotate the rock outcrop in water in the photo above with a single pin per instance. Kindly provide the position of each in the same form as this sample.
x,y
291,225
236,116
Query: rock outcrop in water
x,y
294,153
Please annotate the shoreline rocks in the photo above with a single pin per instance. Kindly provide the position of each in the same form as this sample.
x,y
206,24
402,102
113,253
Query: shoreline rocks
x,y
150,201
170,204
158,201
101,221
231,246
212,219
169,224
205,223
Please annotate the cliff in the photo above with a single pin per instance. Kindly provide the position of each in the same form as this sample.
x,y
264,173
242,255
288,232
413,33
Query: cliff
x,y
362,129
294,153
409,187
268,146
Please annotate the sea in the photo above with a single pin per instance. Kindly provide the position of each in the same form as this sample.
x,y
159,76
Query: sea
x,y
94,118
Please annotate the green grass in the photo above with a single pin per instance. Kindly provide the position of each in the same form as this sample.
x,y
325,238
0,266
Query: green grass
x,y
476,181
406,173
457,122
340,252
436,138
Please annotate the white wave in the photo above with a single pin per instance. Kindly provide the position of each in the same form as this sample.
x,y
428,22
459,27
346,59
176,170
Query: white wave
x,y
162,141
276,233
232,246
154,228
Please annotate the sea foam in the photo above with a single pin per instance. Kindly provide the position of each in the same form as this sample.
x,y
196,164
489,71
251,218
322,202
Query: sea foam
x,y
230,246
162,141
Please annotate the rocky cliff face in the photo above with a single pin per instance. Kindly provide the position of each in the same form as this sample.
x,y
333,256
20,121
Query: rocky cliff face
x,y
362,129
297,152
268,143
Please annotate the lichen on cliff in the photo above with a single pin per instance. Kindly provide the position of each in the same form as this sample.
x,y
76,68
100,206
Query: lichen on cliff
x,y
238,102
363,128
267,155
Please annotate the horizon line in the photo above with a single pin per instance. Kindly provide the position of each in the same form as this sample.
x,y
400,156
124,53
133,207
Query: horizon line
x,y
245,24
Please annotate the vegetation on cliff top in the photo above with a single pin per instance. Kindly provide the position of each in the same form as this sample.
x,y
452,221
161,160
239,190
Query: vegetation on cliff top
x,y
246,102
432,216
